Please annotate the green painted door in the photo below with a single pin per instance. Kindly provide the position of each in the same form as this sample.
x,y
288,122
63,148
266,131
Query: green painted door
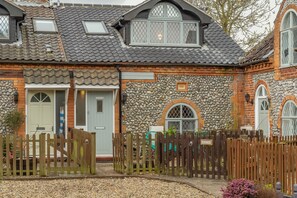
x,y
100,120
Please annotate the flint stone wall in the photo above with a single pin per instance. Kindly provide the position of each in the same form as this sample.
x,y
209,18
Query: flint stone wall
x,y
278,91
146,101
7,103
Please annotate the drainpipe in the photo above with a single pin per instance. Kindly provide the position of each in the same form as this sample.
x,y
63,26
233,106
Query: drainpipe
x,y
120,96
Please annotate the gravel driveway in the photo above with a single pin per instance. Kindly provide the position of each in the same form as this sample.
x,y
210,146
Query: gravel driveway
x,y
128,187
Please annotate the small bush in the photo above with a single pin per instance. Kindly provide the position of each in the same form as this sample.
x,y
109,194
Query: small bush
x,y
240,188
14,119
266,191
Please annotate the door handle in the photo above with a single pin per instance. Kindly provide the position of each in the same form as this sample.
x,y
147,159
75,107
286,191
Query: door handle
x,y
52,128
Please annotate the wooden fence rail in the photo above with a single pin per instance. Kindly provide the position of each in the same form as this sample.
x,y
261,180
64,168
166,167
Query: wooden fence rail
x,y
187,154
263,162
47,154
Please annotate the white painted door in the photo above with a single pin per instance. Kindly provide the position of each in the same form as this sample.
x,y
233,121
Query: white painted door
x,y
100,120
263,116
40,112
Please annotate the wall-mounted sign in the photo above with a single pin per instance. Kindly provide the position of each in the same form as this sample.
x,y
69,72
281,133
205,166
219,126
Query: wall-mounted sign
x,y
207,142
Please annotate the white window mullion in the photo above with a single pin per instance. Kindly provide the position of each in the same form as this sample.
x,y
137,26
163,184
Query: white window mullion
x,y
148,32
165,32
181,33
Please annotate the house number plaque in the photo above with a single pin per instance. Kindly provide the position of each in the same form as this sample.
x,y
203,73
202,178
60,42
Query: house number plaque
x,y
207,142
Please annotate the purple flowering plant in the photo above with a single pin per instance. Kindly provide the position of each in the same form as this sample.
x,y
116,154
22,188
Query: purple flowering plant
x,y
240,188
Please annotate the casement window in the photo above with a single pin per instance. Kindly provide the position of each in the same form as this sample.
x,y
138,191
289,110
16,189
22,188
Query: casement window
x,y
289,40
95,27
289,119
181,118
164,27
4,27
45,25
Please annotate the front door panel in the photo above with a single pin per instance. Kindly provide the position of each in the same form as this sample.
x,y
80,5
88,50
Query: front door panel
x,y
263,116
40,112
100,120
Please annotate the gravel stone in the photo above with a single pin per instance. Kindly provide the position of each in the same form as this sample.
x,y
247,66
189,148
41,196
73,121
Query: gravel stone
x,y
127,187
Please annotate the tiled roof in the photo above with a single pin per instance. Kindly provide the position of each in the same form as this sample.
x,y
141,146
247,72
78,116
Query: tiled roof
x,y
96,77
72,45
46,76
34,45
260,52
219,49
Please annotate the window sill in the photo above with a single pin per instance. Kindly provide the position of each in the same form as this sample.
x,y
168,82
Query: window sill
x,y
165,45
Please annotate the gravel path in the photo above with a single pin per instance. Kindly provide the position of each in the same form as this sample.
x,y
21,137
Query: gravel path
x,y
72,188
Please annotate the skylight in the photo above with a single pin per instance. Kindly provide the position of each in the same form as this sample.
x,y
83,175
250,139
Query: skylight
x,y
95,27
44,25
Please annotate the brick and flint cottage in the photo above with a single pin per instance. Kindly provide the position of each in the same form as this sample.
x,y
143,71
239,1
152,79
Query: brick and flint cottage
x,y
111,69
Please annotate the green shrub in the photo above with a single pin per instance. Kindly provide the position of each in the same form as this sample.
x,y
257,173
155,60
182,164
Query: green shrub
x,y
14,119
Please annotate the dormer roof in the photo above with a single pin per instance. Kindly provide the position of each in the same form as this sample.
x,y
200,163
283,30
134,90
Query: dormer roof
x,y
148,5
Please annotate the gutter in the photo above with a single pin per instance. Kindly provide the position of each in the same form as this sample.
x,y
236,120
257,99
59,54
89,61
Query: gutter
x,y
254,62
120,98
117,63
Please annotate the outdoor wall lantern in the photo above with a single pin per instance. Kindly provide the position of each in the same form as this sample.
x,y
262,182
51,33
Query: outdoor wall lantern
x,y
248,99
124,98
16,97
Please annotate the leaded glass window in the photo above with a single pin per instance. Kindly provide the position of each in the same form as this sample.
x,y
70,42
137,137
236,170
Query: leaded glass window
x,y
164,27
4,27
289,119
289,39
181,118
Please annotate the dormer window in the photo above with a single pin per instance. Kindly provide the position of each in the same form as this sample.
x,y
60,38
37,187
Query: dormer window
x,y
289,40
165,27
10,15
4,27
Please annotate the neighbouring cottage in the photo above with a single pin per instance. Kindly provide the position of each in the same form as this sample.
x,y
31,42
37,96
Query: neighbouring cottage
x,y
271,77
111,69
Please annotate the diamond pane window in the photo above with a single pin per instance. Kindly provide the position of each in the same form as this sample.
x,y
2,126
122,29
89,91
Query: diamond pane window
x,y
44,25
182,118
158,11
157,32
174,112
190,33
4,27
289,119
173,32
139,32
165,27
95,27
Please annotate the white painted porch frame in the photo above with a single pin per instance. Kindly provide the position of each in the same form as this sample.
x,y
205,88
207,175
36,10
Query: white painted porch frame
x,y
257,107
54,88
114,89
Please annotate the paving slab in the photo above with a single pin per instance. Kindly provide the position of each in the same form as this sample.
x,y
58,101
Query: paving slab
x,y
211,186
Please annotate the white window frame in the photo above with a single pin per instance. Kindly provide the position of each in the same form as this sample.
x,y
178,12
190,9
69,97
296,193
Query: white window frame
x,y
165,21
290,117
290,39
45,19
257,104
95,33
180,119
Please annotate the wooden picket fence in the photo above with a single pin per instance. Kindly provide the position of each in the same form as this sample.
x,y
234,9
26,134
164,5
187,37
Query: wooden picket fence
x,y
44,154
187,154
265,162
